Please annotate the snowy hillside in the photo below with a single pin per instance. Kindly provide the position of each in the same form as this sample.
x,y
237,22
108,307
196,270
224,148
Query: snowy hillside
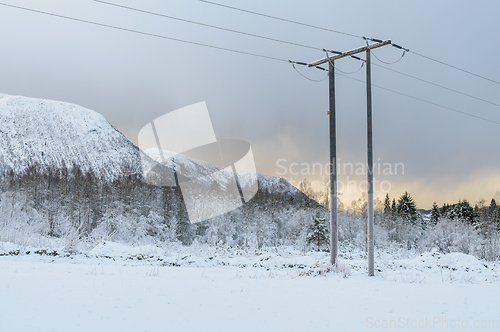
x,y
53,134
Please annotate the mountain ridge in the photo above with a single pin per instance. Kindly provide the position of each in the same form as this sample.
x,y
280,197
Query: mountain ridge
x,y
55,134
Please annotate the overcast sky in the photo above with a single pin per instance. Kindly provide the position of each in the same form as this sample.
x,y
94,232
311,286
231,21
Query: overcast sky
x,y
132,79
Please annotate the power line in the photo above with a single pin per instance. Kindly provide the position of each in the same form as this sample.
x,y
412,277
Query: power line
x,y
418,79
440,86
208,25
281,19
454,67
144,33
389,63
290,43
251,54
307,78
349,73
425,101
226,49
348,34
403,94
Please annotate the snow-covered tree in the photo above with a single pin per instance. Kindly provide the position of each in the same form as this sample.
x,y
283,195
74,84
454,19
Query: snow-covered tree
x,y
435,214
387,205
494,214
407,209
318,232
464,211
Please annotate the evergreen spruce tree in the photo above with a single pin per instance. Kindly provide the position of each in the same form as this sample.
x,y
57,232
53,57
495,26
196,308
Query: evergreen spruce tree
x,y
387,205
496,219
318,233
494,214
435,214
407,208
493,208
445,210
464,211
394,207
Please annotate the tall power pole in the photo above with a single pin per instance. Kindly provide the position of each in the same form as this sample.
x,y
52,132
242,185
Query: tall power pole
x,y
333,150
369,130
333,167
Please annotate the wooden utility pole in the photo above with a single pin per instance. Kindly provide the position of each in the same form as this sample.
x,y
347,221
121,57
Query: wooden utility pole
x,y
333,150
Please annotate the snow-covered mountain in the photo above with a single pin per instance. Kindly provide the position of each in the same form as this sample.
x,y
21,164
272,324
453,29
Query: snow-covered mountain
x,y
186,167
53,134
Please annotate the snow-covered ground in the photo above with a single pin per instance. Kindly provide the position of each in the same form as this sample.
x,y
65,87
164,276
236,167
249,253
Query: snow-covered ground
x,y
115,287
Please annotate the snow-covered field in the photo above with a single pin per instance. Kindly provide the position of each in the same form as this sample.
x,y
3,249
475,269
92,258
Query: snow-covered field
x,y
119,288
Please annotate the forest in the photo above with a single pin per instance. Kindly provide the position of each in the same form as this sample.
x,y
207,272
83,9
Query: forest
x,y
76,210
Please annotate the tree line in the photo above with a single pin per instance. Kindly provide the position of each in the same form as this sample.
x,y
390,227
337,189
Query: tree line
x,y
400,224
73,207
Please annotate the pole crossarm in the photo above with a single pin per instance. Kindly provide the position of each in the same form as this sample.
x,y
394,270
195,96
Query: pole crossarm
x,y
349,53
